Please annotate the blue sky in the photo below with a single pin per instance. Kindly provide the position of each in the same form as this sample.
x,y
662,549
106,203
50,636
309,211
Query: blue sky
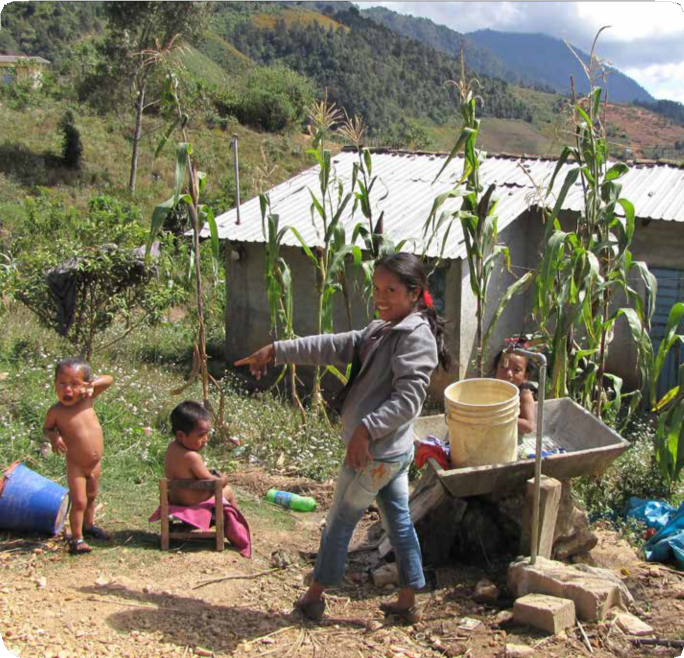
x,y
645,40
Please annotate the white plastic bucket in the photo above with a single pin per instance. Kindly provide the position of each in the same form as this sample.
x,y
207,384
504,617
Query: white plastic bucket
x,y
482,415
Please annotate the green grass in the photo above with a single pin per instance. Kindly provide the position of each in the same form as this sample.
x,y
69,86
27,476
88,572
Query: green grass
x,y
500,136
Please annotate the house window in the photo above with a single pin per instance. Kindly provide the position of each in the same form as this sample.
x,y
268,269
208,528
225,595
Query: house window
x,y
7,77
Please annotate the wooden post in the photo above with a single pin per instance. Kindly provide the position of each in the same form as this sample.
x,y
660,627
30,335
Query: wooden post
x,y
218,493
164,504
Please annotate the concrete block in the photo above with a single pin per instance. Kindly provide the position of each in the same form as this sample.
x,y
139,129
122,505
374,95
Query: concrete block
x,y
387,574
592,594
632,625
548,613
549,502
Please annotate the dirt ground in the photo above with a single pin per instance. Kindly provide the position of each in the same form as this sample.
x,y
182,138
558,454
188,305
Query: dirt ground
x,y
192,601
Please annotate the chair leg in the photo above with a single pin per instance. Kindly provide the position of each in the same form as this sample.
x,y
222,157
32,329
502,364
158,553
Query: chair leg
x,y
218,494
164,504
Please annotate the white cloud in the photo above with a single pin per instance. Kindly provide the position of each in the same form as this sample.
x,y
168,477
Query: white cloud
x,y
667,79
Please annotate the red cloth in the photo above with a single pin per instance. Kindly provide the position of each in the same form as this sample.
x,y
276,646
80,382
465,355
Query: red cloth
x,y
199,516
426,451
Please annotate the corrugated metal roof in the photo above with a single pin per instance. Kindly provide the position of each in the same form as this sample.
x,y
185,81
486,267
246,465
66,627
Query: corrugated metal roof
x,y
405,192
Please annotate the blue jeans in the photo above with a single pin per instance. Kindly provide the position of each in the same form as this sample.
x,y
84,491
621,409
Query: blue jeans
x,y
354,492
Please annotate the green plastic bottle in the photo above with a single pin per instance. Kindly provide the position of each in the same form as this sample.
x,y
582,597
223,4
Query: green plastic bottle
x,y
291,501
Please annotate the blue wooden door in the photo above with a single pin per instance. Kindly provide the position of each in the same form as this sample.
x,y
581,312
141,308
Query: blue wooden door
x,y
670,291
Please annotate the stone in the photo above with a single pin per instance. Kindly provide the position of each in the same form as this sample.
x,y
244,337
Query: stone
x,y
503,618
518,651
548,613
572,534
592,593
386,574
549,503
632,625
486,591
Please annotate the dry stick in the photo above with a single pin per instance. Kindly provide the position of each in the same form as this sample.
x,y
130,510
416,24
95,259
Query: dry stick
x,y
670,570
657,641
584,636
240,576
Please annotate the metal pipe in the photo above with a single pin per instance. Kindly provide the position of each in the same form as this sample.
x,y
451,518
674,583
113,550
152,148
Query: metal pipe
x,y
540,360
237,178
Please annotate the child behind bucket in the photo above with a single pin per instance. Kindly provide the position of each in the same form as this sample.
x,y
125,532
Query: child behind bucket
x,y
72,428
514,368
191,425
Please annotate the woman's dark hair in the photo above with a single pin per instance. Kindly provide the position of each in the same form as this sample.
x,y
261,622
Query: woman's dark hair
x,y
410,271
186,415
77,363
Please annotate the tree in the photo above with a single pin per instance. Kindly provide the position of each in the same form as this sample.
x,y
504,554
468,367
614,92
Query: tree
x,y
136,29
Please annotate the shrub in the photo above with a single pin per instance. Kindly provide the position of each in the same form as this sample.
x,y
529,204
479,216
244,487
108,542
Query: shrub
x,y
72,148
634,473
78,274
274,98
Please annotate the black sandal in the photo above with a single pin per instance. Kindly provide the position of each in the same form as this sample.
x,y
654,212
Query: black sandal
x,y
312,610
79,547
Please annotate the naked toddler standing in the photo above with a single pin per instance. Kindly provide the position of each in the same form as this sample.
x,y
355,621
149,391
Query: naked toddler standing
x,y
72,428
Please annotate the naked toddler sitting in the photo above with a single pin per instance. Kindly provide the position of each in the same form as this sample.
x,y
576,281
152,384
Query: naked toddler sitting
x,y
191,425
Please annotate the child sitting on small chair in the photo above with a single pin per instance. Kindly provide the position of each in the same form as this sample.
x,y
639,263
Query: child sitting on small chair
x,y
514,368
191,425
72,428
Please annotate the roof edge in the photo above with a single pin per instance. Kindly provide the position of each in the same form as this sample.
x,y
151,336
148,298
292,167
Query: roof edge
x,y
504,155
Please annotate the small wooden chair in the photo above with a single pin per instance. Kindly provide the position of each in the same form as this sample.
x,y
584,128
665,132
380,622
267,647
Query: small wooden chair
x,y
202,485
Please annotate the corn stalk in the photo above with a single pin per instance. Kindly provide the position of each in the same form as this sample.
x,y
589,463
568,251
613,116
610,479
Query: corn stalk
x,y
477,214
584,272
279,291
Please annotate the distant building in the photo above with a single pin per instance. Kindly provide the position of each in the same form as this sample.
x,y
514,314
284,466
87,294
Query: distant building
x,y
22,68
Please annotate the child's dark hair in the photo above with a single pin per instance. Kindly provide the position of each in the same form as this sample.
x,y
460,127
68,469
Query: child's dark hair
x,y
77,363
410,271
511,344
186,415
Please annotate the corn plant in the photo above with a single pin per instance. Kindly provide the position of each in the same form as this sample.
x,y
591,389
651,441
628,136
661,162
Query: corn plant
x,y
327,208
477,214
670,408
585,272
279,291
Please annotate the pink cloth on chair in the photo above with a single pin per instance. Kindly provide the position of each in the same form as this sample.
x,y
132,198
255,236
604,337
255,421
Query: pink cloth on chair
x,y
199,516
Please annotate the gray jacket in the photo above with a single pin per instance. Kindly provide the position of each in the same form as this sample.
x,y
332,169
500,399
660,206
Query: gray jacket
x,y
390,389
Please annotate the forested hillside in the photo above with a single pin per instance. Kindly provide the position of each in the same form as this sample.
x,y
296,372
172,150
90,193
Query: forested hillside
x,y
367,69
48,29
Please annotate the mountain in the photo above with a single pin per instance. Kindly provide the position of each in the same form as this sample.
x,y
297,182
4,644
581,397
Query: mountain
x,y
444,39
549,61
